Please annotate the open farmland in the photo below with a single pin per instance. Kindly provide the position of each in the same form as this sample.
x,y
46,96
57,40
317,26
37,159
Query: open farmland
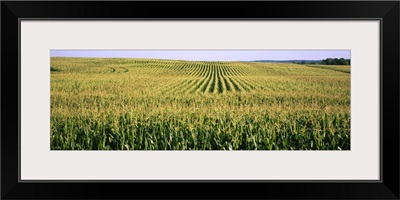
x,y
150,104
340,68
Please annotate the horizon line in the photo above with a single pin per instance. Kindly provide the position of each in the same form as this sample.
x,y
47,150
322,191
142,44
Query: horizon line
x,y
208,55
198,60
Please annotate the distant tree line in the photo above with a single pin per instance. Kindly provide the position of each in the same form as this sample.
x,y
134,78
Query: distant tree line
x,y
304,62
336,61
328,61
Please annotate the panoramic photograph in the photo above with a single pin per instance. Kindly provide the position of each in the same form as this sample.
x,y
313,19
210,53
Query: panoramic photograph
x,y
200,100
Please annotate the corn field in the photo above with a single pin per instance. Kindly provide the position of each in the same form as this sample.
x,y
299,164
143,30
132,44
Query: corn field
x,y
153,104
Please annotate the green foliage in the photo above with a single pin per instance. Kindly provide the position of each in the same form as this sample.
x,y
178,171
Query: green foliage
x,y
148,104
53,69
336,61
328,61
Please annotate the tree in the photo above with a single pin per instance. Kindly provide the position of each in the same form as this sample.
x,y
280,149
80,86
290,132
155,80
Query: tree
x,y
328,61
336,61
342,61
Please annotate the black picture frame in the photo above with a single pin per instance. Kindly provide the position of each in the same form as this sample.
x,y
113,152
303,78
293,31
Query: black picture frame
x,y
13,11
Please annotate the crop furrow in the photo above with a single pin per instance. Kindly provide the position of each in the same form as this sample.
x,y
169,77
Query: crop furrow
x,y
248,69
211,82
204,86
184,70
206,80
255,82
228,85
248,84
216,80
221,83
240,71
225,70
241,84
235,85
164,68
216,83
192,70
198,85
225,73
202,70
235,71
245,70
191,86
230,70
180,66
173,85
182,85
206,70
195,70
177,68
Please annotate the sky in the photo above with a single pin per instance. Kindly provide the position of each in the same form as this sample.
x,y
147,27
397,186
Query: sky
x,y
208,55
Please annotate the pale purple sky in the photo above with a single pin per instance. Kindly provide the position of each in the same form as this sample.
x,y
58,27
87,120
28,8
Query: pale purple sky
x,y
208,55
